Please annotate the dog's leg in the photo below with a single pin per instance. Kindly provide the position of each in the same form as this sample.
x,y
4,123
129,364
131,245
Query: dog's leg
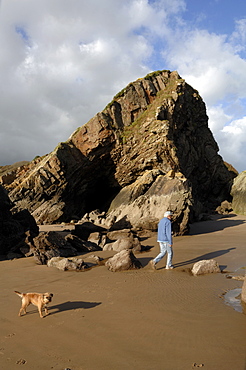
x,y
46,310
23,308
40,310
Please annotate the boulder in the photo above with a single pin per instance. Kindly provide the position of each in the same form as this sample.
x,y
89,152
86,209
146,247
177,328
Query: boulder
x,y
238,192
98,260
205,267
224,208
145,209
124,260
125,240
98,238
67,264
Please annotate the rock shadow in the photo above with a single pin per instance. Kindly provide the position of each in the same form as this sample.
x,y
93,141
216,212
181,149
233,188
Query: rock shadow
x,y
216,224
145,261
72,305
206,256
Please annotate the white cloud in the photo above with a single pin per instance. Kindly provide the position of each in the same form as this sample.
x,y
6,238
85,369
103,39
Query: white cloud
x,y
62,61
238,37
217,118
60,64
233,141
212,65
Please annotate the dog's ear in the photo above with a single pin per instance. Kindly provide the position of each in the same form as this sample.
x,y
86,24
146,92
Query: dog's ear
x,y
51,294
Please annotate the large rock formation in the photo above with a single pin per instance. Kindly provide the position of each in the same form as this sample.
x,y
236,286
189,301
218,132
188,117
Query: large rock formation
x,y
238,193
150,149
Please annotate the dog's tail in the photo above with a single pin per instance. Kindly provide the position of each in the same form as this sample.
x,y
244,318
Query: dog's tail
x,y
19,294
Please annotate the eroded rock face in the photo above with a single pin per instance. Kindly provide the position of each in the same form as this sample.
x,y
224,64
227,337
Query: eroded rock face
x,y
150,149
238,193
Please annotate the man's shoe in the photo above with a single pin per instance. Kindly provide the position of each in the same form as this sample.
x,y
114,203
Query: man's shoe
x,y
152,264
169,267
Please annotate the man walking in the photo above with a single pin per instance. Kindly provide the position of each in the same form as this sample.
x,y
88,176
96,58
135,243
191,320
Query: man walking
x,y
165,241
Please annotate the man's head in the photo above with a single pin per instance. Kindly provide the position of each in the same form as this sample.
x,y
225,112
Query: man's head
x,y
168,214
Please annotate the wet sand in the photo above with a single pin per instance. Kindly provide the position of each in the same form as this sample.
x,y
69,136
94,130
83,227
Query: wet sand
x,y
144,319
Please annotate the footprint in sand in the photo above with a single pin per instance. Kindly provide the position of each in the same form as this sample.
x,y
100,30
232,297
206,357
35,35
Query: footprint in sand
x,y
10,335
197,365
21,362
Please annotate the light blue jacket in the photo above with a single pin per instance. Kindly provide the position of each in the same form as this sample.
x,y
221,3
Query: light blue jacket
x,y
165,231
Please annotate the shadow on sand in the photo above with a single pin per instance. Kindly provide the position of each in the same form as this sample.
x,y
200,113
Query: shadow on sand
x,y
218,223
206,256
69,306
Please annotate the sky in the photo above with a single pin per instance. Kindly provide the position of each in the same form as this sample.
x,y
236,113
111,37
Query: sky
x,y
62,61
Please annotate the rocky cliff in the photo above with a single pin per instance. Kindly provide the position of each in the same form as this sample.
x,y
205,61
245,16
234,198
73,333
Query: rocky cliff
x,y
150,149
238,193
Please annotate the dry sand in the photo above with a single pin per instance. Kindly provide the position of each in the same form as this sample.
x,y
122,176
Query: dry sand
x,y
144,319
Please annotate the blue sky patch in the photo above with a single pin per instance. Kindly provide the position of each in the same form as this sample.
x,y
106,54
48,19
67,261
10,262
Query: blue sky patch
x,y
23,34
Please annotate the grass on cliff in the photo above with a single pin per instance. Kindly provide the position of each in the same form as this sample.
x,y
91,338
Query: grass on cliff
x,y
150,112
121,93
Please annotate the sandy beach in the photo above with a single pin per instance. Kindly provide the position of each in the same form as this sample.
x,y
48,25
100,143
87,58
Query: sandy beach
x,y
143,319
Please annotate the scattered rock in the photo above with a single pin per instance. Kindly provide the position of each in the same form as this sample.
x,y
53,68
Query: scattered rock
x,y
124,243
224,208
67,264
124,260
98,238
123,239
97,259
205,267
238,278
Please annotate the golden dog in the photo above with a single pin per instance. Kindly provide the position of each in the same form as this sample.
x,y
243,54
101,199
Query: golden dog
x,y
37,299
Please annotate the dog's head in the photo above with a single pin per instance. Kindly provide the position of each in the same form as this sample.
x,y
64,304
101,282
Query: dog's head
x,y
47,297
